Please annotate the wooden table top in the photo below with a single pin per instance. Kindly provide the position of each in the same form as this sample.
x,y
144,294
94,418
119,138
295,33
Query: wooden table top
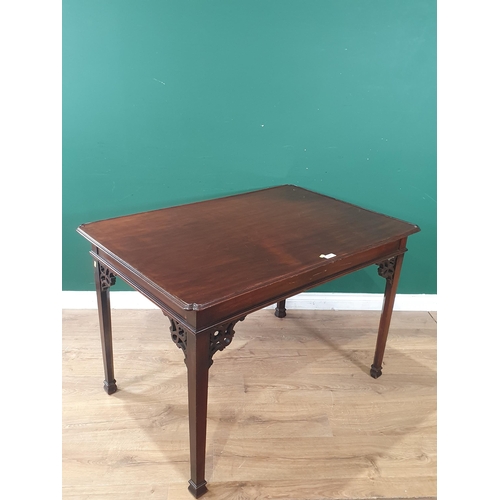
x,y
216,252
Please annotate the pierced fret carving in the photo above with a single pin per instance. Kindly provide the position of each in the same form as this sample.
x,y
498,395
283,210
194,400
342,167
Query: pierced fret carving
x,y
386,269
178,335
106,277
219,338
222,337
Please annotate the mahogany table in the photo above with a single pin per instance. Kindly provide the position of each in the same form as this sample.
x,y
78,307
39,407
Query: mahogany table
x,y
207,265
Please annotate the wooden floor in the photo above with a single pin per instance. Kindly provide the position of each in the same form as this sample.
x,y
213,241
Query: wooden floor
x,y
293,413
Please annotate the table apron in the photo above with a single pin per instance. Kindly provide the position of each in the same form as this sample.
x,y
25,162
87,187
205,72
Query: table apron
x,y
253,300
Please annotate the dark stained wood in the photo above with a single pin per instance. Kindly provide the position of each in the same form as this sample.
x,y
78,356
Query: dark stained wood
x,y
103,280
390,270
198,363
209,261
209,264
280,311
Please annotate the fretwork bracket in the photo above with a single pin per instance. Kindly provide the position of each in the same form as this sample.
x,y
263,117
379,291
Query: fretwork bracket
x,y
178,334
386,269
106,278
220,337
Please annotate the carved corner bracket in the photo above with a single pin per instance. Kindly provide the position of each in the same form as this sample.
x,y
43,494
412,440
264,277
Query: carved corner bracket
x,y
178,334
220,338
106,277
386,269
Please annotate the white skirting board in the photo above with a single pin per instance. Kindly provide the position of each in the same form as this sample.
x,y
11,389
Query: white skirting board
x,y
326,301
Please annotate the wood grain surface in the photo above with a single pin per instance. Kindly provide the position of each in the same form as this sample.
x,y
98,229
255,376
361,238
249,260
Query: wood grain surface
x,y
208,252
293,413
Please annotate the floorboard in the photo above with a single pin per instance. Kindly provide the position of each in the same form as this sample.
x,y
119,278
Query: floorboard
x,y
293,413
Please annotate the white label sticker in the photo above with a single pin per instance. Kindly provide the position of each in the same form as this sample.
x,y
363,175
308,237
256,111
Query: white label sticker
x,y
327,256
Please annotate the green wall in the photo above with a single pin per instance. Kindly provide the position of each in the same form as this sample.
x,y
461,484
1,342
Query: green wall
x,y
167,102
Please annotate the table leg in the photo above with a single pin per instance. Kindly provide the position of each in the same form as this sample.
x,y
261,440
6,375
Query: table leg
x,y
280,311
104,278
198,361
390,270
199,349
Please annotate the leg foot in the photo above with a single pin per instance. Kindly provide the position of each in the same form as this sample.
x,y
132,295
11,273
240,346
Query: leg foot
x,y
197,490
375,371
110,387
280,311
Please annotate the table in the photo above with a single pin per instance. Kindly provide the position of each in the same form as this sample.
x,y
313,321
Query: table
x,y
207,265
